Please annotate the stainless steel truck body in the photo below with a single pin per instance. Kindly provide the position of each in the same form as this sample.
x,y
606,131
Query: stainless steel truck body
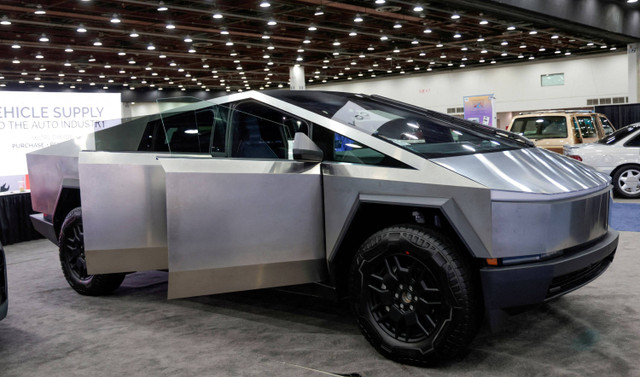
x,y
426,222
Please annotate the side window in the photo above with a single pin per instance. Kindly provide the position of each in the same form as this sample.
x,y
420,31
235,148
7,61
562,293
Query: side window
x,y
187,132
220,119
587,127
606,125
576,130
339,148
259,131
635,142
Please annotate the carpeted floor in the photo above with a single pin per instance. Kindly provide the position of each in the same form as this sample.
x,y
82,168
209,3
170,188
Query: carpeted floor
x,y
625,216
52,331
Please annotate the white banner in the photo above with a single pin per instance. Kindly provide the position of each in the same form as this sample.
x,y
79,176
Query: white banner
x,y
34,120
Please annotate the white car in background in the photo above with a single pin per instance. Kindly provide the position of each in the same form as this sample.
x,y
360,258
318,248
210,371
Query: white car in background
x,y
617,155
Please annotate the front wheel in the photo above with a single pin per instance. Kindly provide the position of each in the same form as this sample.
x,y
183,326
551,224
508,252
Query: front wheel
x,y
74,264
414,296
626,182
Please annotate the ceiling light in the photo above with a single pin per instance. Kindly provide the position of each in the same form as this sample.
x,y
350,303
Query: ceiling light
x,y
612,48
568,53
492,62
483,51
170,26
590,44
443,56
134,34
265,4
632,1
224,31
151,47
557,52
15,45
299,59
5,21
523,46
217,15
319,11
457,35
162,56
380,1
384,38
15,61
542,49
427,31
520,56
481,61
39,10
423,53
301,50
480,39
270,47
43,38
464,48
121,53
439,44
504,43
188,39
266,36
533,32
397,25
414,42
531,57
418,8
39,56
353,34
511,27
312,28
483,22
555,36
504,54
68,49
81,29
455,16
336,43
357,18
97,43
371,48
192,50
162,7
272,22
115,19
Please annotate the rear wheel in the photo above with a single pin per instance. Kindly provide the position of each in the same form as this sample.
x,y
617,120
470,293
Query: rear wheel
x,y
73,261
413,296
626,181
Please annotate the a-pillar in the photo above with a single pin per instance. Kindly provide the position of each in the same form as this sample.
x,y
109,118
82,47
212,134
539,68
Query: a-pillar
x,y
633,78
296,78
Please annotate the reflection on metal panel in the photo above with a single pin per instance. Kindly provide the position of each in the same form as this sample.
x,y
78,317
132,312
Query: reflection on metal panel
x,y
242,278
49,167
127,260
530,228
123,206
530,170
232,213
344,184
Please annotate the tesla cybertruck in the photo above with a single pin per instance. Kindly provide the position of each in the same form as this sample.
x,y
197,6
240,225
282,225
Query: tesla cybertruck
x,y
424,222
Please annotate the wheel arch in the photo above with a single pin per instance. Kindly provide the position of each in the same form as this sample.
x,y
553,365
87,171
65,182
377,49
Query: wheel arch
x,y
373,214
68,199
625,165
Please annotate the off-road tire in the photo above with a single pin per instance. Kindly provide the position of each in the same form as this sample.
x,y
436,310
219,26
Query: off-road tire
x,y
414,295
73,262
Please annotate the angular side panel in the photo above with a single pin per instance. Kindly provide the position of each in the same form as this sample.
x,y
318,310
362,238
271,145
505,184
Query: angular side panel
x,y
123,212
242,224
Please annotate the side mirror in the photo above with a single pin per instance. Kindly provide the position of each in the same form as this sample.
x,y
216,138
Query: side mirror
x,y
304,149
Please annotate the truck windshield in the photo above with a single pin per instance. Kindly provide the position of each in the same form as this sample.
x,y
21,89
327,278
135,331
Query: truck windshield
x,y
420,131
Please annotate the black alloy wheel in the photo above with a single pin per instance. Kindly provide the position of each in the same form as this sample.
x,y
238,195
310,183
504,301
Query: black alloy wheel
x,y
73,260
414,295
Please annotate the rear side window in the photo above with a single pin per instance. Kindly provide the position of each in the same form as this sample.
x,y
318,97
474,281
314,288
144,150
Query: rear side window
x,y
606,125
587,128
542,127
186,132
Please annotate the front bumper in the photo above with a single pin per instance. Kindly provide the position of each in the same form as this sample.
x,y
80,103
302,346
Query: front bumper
x,y
534,283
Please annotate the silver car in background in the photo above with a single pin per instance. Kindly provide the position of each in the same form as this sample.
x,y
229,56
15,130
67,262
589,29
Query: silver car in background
x,y
616,155
424,222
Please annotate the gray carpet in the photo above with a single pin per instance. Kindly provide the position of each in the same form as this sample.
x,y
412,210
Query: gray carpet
x,y
625,216
52,331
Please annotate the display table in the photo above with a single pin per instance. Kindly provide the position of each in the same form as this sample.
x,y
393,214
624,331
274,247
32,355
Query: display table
x,y
15,224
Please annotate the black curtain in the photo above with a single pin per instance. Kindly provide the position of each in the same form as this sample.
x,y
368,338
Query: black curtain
x,y
15,224
621,115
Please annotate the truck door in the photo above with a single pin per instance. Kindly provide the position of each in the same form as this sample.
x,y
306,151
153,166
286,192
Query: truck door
x,y
248,216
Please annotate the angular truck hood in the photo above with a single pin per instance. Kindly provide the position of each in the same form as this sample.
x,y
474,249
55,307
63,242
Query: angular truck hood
x,y
528,170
